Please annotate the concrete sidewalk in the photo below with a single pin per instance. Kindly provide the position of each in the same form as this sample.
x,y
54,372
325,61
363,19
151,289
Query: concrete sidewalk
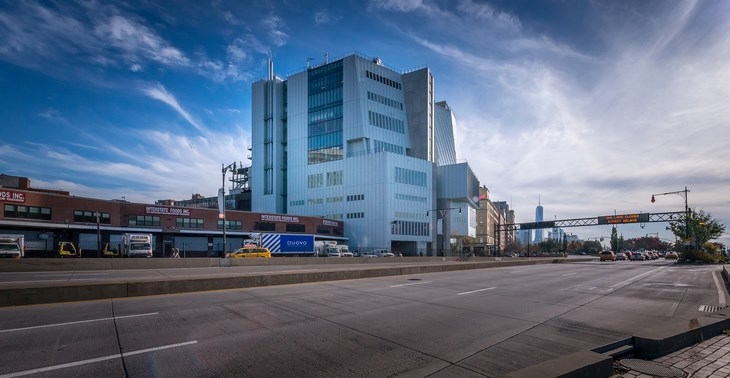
x,y
708,359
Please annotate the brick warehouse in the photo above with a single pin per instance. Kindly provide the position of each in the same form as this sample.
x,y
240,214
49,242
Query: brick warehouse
x,y
47,217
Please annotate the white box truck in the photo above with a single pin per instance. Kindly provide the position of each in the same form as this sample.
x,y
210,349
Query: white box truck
x,y
12,246
136,245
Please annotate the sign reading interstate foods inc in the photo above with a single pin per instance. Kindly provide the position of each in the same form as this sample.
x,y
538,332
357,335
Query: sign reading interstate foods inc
x,y
12,196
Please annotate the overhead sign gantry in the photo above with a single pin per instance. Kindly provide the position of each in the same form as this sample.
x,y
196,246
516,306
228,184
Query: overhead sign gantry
x,y
595,221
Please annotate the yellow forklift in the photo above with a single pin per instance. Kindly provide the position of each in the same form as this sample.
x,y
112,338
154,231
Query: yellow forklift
x,y
110,251
68,249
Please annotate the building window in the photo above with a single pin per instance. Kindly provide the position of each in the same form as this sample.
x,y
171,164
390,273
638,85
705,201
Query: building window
x,y
295,227
27,212
410,177
88,216
334,178
144,220
324,131
264,226
324,230
230,224
189,223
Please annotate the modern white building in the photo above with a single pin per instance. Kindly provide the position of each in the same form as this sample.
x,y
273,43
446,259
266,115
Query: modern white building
x,y
354,140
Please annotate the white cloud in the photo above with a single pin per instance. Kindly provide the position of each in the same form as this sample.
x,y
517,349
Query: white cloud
x,y
325,17
158,92
595,133
396,5
273,25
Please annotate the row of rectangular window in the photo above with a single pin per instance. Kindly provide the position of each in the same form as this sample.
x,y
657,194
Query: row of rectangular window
x,y
331,112
385,100
357,215
383,79
388,123
408,197
324,155
88,216
388,147
82,216
325,98
317,180
411,228
355,197
410,177
27,212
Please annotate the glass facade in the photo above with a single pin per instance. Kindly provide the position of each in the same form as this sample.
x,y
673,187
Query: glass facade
x,y
325,113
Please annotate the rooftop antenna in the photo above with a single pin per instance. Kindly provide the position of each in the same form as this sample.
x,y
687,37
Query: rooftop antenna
x,y
326,57
309,60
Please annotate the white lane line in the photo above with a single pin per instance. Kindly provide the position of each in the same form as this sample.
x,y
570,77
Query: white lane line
x,y
720,291
77,322
568,274
94,360
411,284
91,274
476,291
636,278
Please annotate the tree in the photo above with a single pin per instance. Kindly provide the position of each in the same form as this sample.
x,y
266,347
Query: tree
x,y
614,239
696,232
699,228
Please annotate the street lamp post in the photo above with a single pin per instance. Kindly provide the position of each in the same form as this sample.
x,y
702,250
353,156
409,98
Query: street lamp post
x,y
98,234
682,193
447,226
222,201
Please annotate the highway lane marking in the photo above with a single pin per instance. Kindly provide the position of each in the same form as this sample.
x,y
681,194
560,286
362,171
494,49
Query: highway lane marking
x,y
476,291
411,284
635,278
77,322
98,359
568,274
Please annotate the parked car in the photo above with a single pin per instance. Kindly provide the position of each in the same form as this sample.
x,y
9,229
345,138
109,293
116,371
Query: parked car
x,y
637,256
383,253
607,256
621,256
368,254
671,255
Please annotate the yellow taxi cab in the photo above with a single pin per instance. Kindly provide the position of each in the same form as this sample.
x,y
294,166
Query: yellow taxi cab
x,y
607,256
250,252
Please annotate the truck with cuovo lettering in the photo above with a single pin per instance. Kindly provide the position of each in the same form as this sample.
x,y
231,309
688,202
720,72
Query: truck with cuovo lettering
x,y
288,244
136,245
12,246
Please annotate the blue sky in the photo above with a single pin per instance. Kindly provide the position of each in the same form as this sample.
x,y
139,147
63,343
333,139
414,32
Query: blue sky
x,y
590,106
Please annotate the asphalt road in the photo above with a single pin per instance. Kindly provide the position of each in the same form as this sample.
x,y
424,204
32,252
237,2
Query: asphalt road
x,y
485,322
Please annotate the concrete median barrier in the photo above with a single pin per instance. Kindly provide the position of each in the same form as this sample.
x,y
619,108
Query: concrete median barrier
x,y
46,293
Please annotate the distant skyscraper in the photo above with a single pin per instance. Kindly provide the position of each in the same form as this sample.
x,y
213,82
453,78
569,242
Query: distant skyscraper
x,y
538,218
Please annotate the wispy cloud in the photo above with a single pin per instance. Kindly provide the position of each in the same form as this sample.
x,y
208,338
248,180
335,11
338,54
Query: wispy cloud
x,y
158,92
273,25
53,115
73,35
325,17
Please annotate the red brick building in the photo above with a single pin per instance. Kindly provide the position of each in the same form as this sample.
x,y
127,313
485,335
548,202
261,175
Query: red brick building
x,y
46,217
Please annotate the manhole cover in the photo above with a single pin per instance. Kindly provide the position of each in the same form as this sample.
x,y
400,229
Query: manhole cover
x,y
652,368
